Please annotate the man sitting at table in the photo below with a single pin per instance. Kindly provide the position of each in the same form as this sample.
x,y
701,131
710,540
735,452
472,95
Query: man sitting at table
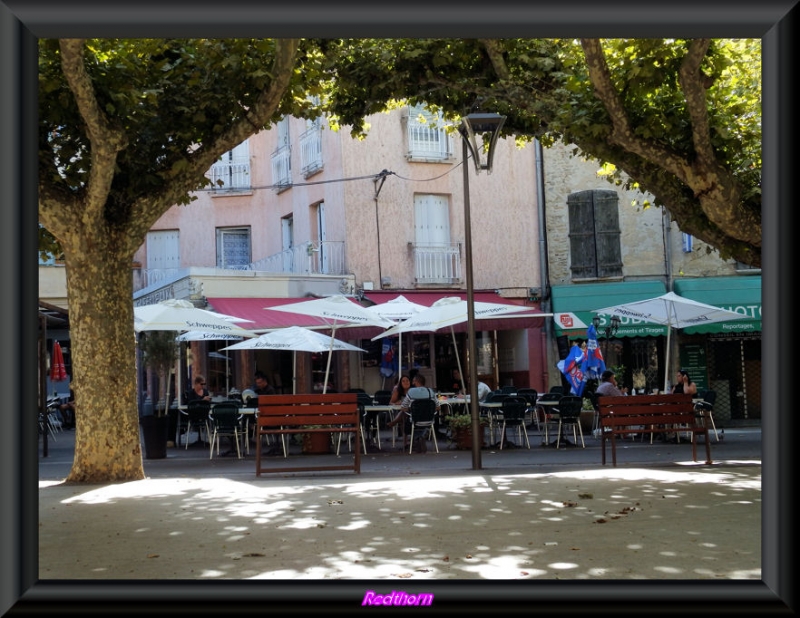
x,y
418,390
608,386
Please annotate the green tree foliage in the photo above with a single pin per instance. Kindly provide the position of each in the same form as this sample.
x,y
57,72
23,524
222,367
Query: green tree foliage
x,y
680,119
127,129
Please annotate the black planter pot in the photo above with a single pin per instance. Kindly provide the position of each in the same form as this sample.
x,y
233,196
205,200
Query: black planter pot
x,y
154,432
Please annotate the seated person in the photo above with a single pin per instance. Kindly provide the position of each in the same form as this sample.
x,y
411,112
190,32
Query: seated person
x,y
684,384
608,385
67,410
399,391
417,391
199,391
263,387
483,390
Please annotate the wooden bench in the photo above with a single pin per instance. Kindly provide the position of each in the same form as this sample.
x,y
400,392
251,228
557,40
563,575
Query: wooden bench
x,y
330,413
640,414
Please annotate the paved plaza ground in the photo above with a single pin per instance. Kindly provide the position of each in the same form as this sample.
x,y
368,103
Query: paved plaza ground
x,y
413,522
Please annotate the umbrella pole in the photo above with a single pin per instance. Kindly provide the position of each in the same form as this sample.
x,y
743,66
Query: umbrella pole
x,y
328,366
458,362
294,372
399,357
666,359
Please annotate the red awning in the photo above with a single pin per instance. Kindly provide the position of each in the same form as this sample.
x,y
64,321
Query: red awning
x,y
264,320
514,321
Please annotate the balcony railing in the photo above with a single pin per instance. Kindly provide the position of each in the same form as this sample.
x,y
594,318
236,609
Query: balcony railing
x,y
325,258
311,151
234,176
440,263
281,168
428,143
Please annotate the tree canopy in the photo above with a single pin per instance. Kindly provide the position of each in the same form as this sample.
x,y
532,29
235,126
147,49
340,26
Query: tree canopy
x,y
129,128
679,118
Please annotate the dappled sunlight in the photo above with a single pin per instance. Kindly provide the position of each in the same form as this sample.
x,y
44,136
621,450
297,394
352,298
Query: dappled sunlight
x,y
614,523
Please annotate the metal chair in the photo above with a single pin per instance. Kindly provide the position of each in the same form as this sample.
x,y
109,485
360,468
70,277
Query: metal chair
x,y
531,395
423,416
488,412
196,418
225,420
382,398
569,413
705,408
546,404
513,411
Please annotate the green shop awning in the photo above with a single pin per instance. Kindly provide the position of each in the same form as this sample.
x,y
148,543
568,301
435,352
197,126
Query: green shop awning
x,y
739,294
581,299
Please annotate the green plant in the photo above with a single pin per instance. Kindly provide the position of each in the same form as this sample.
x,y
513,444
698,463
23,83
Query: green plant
x,y
159,353
461,421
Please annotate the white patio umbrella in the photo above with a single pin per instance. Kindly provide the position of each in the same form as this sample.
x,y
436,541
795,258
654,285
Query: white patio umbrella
x,y
397,309
337,311
449,311
672,311
198,335
296,339
181,315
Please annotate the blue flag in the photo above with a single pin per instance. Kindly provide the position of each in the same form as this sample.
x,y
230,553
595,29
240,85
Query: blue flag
x,y
572,370
388,358
593,365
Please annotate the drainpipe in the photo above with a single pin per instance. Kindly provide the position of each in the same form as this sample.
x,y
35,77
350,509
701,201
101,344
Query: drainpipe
x,y
544,273
667,238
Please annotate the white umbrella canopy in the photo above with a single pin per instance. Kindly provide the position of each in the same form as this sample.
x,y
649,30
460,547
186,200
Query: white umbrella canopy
x,y
398,308
297,339
294,338
337,311
449,311
672,311
181,315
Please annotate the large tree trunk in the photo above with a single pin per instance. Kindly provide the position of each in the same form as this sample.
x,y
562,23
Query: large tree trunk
x,y
100,288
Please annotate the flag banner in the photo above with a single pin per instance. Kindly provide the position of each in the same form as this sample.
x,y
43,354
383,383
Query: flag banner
x,y
572,369
593,365
388,357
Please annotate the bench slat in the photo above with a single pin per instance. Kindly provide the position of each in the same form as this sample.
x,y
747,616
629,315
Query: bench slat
x,y
648,414
328,413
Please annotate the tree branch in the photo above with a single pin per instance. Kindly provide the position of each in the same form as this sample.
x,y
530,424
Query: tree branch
x,y
692,83
106,142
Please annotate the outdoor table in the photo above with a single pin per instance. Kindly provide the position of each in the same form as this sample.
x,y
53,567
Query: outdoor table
x,y
547,409
383,410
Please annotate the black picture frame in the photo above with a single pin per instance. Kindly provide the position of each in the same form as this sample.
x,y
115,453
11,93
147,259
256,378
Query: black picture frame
x,y
21,22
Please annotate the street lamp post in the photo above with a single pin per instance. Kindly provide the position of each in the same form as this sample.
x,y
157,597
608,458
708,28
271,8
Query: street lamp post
x,y
488,126
608,332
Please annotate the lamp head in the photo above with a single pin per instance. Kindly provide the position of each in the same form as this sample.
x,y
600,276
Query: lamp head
x,y
486,125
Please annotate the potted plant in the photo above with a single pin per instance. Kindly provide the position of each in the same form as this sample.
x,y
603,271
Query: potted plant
x,y
461,429
159,353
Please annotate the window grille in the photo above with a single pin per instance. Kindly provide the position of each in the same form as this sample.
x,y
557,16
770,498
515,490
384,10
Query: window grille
x,y
427,138
233,248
